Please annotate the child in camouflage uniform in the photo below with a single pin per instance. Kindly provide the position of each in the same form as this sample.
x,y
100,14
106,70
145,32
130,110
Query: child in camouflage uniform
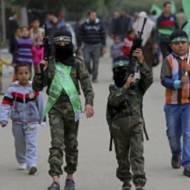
x,y
62,75
125,119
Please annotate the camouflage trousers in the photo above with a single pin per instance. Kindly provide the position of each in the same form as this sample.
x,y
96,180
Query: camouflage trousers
x,y
64,132
128,141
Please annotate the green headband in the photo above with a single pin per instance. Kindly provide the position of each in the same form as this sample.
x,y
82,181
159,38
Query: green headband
x,y
120,63
179,39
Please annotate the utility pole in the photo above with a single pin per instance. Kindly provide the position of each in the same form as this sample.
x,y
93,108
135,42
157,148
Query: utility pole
x,y
3,24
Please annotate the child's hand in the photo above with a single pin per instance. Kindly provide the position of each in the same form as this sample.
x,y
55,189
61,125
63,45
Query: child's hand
x,y
130,81
44,63
89,110
184,79
138,53
187,68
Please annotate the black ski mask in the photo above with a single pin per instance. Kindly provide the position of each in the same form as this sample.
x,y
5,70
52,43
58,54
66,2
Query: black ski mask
x,y
120,71
63,45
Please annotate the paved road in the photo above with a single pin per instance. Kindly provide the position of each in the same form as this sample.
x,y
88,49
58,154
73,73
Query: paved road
x,y
96,165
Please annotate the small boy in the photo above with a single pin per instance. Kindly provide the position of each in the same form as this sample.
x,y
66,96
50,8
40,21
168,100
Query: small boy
x,y
25,108
175,78
125,119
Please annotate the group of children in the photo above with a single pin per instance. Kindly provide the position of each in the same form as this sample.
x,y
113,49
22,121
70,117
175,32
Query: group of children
x,y
27,46
22,102
122,47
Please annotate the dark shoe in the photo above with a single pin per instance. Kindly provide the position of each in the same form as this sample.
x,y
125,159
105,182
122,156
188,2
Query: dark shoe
x,y
54,186
176,161
186,172
139,188
95,80
69,184
32,170
126,186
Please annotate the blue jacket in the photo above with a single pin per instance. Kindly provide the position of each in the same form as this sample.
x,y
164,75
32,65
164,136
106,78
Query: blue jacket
x,y
22,105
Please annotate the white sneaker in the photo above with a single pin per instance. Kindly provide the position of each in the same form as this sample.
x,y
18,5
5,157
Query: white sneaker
x,y
22,166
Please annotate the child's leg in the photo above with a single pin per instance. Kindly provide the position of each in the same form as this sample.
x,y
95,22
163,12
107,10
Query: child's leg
x,y
71,146
173,123
136,155
185,119
20,146
31,144
120,132
57,144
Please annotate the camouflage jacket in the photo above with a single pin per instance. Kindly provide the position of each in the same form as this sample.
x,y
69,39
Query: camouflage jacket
x,y
127,102
79,74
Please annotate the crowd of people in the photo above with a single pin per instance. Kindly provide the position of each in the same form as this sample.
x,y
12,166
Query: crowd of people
x,y
63,66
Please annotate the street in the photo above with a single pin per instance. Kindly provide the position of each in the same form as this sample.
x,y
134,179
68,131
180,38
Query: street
x,y
97,165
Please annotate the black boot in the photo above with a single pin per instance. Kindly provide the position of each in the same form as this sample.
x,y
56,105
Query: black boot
x,y
126,186
186,172
139,188
69,184
176,161
54,186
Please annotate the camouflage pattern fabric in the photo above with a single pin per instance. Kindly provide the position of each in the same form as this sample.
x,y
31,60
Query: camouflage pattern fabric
x,y
125,120
63,127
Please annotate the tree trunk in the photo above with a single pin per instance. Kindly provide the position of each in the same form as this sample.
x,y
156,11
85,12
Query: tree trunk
x,y
3,24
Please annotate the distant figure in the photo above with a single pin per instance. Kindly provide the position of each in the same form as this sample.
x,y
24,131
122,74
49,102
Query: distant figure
x,y
166,24
12,27
37,52
36,30
148,38
181,18
24,47
128,43
116,48
93,37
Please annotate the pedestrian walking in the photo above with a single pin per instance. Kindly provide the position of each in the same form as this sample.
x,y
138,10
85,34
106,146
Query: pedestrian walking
x,y
25,108
93,37
125,119
175,77
62,75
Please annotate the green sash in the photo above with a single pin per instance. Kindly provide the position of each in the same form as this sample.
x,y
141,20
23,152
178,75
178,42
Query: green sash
x,y
63,81
165,31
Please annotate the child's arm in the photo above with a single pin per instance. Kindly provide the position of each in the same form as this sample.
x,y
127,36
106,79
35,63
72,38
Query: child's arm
x,y
40,105
86,88
118,95
166,78
146,78
5,107
40,79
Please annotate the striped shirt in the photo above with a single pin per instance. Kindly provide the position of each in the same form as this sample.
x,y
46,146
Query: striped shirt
x,y
24,51
173,69
166,25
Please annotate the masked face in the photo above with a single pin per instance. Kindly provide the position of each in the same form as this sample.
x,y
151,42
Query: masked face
x,y
120,75
63,52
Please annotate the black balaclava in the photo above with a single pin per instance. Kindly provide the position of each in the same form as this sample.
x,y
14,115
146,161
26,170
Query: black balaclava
x,y
63,45
120,75
121,71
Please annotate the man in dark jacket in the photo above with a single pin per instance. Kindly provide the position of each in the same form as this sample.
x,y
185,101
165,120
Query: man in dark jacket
x,y
93,37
